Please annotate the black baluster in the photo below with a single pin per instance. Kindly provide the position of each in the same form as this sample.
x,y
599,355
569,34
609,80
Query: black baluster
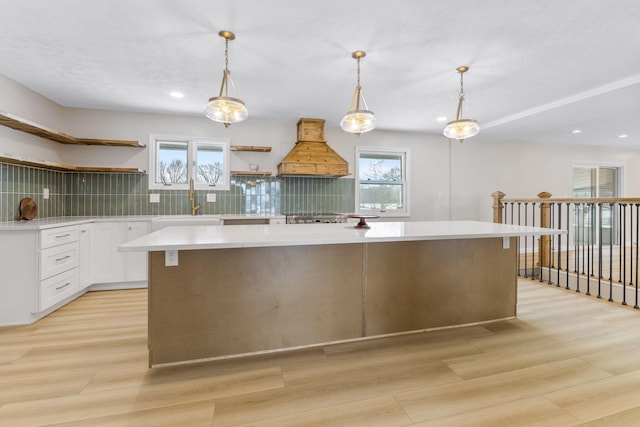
x,y
576,245
504,215
600,250
518,238
533,242
589,249
611,254
637,239
512,205
559,243
593,238
568,240
526,242
550,254
624,253
620,228
631,226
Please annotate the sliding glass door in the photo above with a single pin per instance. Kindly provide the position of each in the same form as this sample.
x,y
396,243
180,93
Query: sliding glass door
x,y
596,182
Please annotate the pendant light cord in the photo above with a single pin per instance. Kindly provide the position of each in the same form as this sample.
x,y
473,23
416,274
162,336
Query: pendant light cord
x,y
358,88
226,55
460,98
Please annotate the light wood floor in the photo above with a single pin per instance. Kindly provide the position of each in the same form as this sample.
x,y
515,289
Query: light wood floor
x,y
567,360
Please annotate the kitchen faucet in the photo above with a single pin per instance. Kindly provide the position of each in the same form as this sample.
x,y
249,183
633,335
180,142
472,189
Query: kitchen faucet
x,y
194,207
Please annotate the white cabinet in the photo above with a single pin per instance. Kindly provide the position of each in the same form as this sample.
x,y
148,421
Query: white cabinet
x,y
56,288
85,277
135,262
43,269
108,264
58,265
58,259
58,236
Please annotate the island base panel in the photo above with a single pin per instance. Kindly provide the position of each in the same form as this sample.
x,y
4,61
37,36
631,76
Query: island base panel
x,y
232,301
435,283
223,302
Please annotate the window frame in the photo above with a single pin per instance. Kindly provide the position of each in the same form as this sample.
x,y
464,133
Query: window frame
x,y
405,158
192,145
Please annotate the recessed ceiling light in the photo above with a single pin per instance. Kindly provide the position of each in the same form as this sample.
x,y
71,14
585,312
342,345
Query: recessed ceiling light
x,y
176,94
624,135
441,119
576,131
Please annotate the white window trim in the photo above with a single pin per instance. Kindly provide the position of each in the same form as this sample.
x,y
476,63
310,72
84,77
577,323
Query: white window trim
x,y
191,150
406,153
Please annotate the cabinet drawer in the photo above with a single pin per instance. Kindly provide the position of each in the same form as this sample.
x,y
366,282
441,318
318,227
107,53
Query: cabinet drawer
x,y
58,236
57,288
58,259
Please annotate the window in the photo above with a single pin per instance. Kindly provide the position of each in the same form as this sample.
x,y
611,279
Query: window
x,y
174,161
593,181
382,187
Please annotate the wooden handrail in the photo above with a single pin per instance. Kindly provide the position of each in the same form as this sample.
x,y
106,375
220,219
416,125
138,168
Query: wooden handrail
x,y
572,200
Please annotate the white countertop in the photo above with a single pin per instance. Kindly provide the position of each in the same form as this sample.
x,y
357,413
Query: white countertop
x,y
246,236
44,223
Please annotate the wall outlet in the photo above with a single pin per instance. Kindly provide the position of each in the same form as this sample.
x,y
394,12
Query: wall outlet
x,y
170,258
154,198
211,197
45,193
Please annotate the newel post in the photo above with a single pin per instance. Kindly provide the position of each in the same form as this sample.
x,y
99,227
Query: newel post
x,y
497,206
545,221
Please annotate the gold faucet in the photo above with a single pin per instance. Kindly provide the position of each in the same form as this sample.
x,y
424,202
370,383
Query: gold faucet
x,y
194,207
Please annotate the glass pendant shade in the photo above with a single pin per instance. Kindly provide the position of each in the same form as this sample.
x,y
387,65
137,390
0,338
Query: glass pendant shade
x,y
224,108
461,129
358,121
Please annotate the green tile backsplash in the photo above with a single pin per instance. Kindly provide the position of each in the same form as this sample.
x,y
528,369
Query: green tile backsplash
x,y
121,194
18,182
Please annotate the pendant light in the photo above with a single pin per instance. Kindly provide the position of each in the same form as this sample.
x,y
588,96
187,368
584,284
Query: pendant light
x,y
461,129
356,120
223,108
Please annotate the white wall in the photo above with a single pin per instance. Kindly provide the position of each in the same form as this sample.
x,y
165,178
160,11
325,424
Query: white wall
x,y
448,180
22,102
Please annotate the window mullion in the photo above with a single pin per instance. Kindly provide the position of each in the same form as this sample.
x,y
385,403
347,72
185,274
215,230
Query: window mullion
x,y
191,159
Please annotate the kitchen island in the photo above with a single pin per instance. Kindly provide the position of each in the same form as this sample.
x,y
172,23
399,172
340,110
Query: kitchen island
x,y
217,292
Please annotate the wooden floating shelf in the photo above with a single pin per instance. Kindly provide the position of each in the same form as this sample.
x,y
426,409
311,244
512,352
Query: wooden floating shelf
x,y
261,149
18,123
45,164
251,173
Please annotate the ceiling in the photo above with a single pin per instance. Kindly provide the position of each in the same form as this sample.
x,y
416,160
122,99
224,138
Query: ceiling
x,y
538,69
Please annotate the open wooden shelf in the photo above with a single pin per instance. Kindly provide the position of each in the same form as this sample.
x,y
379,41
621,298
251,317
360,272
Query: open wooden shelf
x,y
64,167
18,123
252,173
261,149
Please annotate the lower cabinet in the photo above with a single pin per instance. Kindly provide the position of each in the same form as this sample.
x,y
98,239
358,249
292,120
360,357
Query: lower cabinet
x,y
43,269
57,288
135,262
85,277
58,265
108,264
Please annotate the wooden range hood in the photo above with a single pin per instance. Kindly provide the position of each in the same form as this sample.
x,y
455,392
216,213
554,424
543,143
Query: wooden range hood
x,y
312,156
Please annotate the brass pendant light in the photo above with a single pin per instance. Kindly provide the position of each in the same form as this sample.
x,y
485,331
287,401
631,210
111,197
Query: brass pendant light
x,y
461,129
356,120
223,108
